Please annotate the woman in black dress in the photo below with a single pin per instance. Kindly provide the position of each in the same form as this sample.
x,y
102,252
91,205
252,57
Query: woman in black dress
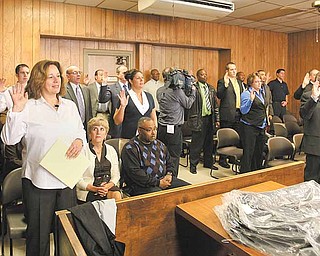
x,y
135,105
100,180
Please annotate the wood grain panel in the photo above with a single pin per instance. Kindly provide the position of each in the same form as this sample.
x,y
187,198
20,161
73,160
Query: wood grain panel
x,y
79,22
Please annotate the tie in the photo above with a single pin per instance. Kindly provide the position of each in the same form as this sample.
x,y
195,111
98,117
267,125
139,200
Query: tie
x,y
125,87
80,104
208,104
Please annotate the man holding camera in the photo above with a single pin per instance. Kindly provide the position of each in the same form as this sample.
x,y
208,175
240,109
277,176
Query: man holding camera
x,y
172,102
203,119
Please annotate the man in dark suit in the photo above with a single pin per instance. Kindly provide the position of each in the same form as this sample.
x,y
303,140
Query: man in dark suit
x,y
310,112
79,94
110,94
203,119
229,90
307,84
100,77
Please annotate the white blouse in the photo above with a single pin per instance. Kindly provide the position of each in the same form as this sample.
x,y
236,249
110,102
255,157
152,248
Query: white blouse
x,y
39,125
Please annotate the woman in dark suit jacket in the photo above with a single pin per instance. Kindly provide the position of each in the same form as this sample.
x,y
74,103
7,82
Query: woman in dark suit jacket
x,y
137,104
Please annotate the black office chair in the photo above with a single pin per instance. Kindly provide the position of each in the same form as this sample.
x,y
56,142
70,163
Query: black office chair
x,y
12,217
292,129
186,141
289,118
280,130
228,142
276,119
280,151
297,140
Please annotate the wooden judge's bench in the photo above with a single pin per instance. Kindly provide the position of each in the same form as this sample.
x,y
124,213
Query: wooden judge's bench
x,y
178,221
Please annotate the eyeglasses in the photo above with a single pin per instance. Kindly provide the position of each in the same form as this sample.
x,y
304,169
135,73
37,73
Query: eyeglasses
x,y
148,129
75,73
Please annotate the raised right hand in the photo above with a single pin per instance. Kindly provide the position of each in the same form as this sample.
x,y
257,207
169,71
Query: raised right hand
x,y
123,98
306,80
226,79
19,97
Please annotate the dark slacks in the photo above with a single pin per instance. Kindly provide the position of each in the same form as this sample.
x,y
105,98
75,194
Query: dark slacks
x,y
253,141
173,143
312,169
137,190
202,140
40,207
278,110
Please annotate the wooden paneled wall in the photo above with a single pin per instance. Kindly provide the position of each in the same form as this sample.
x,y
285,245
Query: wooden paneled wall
x,y
23,22
303,55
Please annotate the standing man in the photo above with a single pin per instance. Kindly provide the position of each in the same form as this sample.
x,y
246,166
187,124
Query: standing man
x,y
172,102
152,86
111,94
310,112
279,90
242,77
22,73
267,93
79,94
229,92
100,77
307,84
203,119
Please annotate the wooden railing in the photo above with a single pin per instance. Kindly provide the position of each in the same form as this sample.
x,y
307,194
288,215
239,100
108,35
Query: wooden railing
x,y
147,223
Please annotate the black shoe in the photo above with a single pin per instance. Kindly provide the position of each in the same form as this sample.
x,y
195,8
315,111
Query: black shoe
x,y
224,165
193,169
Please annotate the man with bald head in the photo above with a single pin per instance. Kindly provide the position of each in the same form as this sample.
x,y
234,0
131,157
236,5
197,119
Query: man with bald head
x,y
79,94
307,83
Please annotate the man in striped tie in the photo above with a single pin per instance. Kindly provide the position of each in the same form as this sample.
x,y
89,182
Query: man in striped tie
x,y
203,119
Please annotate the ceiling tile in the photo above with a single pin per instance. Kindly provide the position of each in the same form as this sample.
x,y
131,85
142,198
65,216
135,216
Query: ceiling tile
x,y
237,22
243,3
253,9
255,25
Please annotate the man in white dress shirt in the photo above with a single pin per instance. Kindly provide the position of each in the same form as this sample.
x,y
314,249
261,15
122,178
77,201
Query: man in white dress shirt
x,y
98,109
153,85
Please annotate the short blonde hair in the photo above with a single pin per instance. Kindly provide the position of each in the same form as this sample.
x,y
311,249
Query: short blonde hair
x,y
97,121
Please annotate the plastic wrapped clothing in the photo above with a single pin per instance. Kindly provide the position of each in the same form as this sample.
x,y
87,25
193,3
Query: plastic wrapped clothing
x,y
280,222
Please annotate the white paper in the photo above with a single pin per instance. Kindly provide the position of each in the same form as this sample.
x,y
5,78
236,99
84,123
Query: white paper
x,y
68,171
170,129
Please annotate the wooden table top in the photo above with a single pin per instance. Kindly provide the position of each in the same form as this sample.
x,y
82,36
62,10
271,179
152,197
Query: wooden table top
x,y
200,213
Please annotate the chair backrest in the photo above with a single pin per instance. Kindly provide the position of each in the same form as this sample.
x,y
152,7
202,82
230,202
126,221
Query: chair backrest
x,y
292,128
280,147
227,137
276,119
280,130
12,187
118,144
289,118
297,140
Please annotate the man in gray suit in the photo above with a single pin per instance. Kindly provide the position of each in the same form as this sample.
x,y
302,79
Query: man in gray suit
x,y
79,94
110,94
310,112
98,109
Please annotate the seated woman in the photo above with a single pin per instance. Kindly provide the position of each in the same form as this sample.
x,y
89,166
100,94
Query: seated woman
x,y
100,179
